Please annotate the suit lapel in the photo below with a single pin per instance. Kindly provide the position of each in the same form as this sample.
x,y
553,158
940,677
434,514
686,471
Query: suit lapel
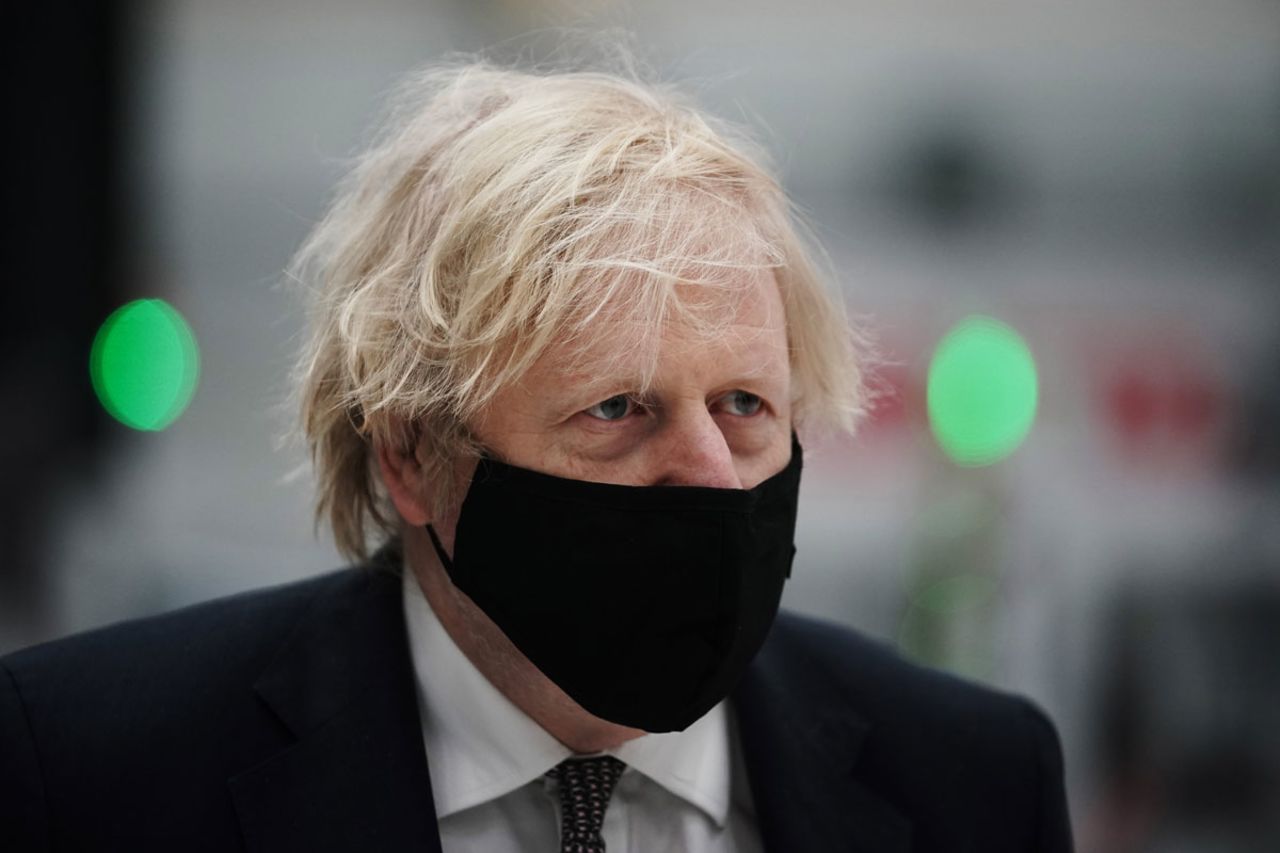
x,y
800,743
356,776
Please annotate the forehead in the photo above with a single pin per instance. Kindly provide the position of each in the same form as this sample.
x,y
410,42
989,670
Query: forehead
x,y
734,327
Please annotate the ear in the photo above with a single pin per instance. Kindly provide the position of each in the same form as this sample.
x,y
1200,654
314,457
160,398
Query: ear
x,y
403,477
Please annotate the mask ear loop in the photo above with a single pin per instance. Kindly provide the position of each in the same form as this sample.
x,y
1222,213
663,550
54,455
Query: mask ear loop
x,y
435,539
435,543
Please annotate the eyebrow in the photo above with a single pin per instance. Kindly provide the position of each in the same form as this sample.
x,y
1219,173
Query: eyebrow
x,y
593,389
589,389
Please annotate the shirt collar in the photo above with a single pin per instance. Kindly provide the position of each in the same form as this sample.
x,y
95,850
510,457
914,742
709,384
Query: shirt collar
x,y
480,746
692,764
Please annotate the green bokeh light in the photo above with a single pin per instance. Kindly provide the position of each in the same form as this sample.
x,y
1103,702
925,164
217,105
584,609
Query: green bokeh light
x,y
982,391
947,624
145,364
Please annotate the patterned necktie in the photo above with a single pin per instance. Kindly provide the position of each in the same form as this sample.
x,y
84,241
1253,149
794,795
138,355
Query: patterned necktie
x,y
585,787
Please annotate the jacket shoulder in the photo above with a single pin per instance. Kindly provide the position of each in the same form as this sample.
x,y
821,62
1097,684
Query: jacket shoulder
x,y
947,751
159,676
195,641
134,729
884,687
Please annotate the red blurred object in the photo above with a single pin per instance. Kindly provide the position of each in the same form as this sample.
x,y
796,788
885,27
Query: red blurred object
x,y
1164,398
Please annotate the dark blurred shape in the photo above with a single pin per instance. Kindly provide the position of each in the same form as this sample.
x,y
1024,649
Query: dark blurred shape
x,y
1187,716
948,175
60,241
1256,440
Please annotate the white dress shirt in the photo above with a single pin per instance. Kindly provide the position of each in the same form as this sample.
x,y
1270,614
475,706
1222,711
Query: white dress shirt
x,y
682,791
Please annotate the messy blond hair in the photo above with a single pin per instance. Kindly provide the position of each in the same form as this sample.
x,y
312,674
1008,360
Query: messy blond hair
x,y
499,211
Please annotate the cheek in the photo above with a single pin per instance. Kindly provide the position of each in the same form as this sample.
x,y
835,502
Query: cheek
x,y
755,468
514,441
462,473
623,468
512,425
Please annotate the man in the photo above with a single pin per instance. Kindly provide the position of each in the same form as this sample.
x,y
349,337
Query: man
x,y
564,334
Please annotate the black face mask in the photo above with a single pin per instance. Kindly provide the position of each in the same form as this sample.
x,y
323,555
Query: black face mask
x,y
644,603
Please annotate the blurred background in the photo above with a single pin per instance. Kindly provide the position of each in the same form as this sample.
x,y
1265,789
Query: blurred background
x,y
1074,203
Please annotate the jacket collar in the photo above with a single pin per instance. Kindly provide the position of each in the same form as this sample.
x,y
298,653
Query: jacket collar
x,y
355,776
801,742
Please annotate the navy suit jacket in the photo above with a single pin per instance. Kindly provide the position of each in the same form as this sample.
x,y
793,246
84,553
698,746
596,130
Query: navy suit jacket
x,y
286,719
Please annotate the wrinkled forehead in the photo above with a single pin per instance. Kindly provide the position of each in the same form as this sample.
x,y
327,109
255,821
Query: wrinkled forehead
x,y
682,275
738,318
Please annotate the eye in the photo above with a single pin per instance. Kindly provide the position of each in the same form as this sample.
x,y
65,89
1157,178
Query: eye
x,y
615,408
742,403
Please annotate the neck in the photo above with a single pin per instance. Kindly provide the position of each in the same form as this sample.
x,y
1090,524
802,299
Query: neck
x,y
497,658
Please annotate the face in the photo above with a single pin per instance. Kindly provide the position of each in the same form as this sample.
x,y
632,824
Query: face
x,y
716,413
